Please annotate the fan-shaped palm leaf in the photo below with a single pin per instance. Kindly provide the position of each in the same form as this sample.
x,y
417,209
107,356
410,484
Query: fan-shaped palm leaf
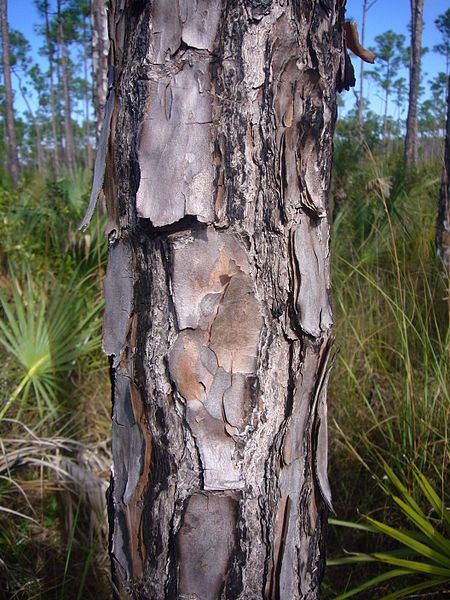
x,y
46,336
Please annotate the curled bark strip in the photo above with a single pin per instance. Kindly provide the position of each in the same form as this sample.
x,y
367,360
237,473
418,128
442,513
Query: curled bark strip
x,y
352,41
100,162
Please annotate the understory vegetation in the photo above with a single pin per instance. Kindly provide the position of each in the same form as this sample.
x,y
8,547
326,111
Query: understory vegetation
x,y
389,390
54,394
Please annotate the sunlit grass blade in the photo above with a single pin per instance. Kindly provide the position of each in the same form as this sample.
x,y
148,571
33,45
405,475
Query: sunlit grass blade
x,y
388,576
437,540
351,525
410,542
413,565
418,587
434,500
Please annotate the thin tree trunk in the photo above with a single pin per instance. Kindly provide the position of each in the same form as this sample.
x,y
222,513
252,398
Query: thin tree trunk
x,y
361,73
87,100
13,160
100,49
385,119
217,320
52,89
443,219
59,102
68,129
411,153
37,130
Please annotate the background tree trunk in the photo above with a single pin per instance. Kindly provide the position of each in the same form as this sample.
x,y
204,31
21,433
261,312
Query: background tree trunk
x,y
13,161
87,101
411,153
69,143
52,88
366,7
443,219
37,129
68,130
100,50
217,320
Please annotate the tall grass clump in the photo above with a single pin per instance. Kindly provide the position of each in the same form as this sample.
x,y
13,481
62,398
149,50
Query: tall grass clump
x,y
389,394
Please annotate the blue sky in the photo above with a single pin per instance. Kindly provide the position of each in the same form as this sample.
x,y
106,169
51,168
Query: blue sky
x,y
395,15
22,15
384,15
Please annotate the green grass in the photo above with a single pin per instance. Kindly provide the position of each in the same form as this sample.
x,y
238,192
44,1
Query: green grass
x,y
389,393
54,394
422,554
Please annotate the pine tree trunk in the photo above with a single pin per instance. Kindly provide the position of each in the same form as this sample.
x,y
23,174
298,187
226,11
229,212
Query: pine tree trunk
x,y
52,88
411,153
13,161
443,219
59,98
37,129
87,125
218,318
385,119
100,49
68,128
361,72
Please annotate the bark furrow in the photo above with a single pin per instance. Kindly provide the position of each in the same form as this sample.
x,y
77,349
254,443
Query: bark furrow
x,y
218,318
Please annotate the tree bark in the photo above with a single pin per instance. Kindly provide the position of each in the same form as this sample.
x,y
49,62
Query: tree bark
x,y
59,97
13,160
411,153
37,129
52,88
86,99
218,319
361,73
443,219
385,118
100,50
69,143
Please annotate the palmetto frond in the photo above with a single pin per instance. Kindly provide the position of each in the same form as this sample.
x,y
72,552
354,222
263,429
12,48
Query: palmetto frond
x,y
45,334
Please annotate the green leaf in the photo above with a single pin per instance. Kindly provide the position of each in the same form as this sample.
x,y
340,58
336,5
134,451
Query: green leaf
x,y
412,565
401,488
351,525
410,542
434,537
373,582
431,496
423,585
355,557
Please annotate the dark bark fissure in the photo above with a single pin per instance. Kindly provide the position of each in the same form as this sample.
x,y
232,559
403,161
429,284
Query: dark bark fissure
x,y
217,311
